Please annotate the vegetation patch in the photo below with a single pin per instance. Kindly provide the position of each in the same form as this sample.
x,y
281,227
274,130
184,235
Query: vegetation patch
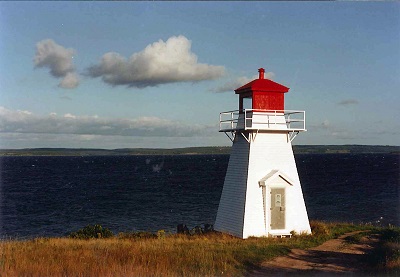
x,y
385,257
356,238
91,232
95,251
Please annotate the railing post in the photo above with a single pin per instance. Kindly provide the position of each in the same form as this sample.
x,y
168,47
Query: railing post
x,y
245,119
220,119
268,123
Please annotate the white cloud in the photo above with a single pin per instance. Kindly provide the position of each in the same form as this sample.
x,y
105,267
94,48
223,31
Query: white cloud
x,y
59,60
240,81
234,84
24,112
159,63
68,115
71,80
29,123
269,75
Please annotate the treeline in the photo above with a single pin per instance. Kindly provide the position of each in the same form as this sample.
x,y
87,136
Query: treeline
x,y
354,149
298,149
113,152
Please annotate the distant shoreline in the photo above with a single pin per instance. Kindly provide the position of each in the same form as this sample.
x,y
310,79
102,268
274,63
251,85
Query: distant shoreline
x,y
214,150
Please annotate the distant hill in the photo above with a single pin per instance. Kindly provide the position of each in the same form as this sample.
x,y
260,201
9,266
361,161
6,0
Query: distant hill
x,y
106,152
298,149
332,149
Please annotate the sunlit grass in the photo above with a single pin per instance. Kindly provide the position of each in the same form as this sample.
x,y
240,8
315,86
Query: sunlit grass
x,y
211,254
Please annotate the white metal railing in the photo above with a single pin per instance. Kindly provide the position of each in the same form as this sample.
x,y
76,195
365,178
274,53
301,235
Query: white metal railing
x,y
256,119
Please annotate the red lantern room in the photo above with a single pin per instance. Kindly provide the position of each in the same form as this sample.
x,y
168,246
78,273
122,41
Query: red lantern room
x,y
262,94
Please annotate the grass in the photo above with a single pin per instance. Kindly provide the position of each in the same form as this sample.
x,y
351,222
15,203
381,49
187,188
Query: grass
x,y
130,254
385,258
356,238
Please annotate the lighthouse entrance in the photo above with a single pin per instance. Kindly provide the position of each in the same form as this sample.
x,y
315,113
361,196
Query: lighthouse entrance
x,y
277,183
277,208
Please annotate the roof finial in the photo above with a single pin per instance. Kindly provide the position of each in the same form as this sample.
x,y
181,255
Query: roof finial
x,y
261,73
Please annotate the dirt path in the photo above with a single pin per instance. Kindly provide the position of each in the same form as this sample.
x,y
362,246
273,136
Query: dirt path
x,y
334,257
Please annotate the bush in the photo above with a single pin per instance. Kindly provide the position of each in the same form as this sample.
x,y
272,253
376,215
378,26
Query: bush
x,y
319,229
92,232
161,234
197,230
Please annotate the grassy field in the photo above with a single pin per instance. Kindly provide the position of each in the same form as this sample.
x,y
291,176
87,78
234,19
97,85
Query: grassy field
x,y
211,254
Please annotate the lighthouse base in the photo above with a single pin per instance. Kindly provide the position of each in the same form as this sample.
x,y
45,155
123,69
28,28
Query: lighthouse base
x,y
262,194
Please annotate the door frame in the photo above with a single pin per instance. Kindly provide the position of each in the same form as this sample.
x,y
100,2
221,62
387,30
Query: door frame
x,y
275,179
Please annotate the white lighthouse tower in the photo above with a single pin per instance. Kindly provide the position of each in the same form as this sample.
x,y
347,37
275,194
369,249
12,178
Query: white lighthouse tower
x,y
262,195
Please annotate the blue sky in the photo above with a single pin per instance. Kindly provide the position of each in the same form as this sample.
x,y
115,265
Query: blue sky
x,y
157,74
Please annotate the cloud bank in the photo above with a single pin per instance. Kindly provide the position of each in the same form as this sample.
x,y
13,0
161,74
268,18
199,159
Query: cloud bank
x,y
240,81
26,122
159,63
58,59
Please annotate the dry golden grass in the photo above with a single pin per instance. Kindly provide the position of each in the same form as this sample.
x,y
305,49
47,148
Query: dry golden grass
x,y
213,254
206,255
172,256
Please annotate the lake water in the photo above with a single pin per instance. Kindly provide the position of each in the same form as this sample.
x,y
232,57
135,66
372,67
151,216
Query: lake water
x,y
51,196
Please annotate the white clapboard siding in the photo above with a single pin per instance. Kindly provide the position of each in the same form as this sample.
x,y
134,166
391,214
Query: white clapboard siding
x,y
268,152
241,210
231,206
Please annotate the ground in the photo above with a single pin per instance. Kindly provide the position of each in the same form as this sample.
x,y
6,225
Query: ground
x,y
334,257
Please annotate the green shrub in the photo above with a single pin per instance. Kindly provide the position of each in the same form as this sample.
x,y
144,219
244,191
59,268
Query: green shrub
x,y
92,232
161,234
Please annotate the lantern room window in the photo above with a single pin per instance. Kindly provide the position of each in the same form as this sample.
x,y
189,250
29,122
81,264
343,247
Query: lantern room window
x,y
247,102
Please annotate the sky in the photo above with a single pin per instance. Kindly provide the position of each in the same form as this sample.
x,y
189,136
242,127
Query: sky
x,y
157,74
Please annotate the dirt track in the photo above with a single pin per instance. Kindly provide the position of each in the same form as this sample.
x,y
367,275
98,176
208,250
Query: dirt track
x,y
334,257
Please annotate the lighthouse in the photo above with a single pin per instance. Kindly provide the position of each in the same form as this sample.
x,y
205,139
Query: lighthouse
x,y
262,194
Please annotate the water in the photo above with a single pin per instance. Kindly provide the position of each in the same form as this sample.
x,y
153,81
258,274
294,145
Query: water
x,y
51,196
354,188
